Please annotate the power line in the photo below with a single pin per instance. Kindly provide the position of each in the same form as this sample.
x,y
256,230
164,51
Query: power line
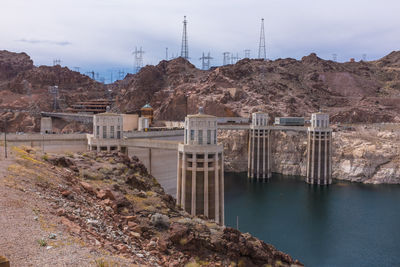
x,y
262,53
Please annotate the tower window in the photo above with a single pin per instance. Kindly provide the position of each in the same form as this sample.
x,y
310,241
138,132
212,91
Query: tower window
x,y
111,131
200,137
191,135
208,137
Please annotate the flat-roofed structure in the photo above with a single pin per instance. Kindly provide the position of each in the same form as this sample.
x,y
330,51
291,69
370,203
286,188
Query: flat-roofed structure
x,y
107,132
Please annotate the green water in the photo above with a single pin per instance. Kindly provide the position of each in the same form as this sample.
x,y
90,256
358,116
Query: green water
x,y
344,224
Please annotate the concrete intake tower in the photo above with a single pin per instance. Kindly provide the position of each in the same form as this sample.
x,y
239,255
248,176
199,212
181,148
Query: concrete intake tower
x,y
259,158
319,150
200,176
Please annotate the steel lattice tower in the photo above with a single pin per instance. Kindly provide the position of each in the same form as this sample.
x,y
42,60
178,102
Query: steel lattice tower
x,y
184,47
261,49
138,59
205,61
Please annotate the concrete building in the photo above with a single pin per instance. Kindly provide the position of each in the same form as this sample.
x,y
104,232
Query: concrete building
x,y
46,125
130,122
319,151
259,151
200,177
107,132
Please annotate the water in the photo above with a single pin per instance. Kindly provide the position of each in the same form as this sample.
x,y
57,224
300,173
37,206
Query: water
x,y
345,224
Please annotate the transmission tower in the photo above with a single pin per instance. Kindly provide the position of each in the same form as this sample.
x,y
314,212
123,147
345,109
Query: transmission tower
x,y
91,73
226,58
364,57
138,59
334,57
53,90
56,62
247,53
262,53
205,61
184,47
234,58
166,53
121,74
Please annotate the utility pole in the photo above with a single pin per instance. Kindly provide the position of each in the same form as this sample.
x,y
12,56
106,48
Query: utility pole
x,y
185,47
262,54
5,137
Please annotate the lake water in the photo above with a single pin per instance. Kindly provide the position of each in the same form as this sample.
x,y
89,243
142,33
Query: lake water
x,y
344,224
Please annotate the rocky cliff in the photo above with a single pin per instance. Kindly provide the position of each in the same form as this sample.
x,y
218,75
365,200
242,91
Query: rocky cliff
x,y
24,90
364,153
350,92
109,205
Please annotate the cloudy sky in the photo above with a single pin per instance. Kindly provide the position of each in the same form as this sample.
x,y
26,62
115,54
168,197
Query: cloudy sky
x,y
100,35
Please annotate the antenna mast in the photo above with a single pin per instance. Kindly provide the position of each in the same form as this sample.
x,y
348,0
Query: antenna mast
x,y
184,47
261,49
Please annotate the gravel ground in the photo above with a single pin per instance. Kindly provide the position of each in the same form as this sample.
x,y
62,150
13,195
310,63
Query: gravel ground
x,y
25,218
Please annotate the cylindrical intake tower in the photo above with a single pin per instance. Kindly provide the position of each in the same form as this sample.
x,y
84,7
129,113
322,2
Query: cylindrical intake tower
x,y
319,150
200,181
259,150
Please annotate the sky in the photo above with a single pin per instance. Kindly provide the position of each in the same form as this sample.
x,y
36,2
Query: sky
x,y
101,35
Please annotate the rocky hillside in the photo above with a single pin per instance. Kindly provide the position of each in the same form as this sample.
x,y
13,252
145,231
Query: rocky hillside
x,y
110,207
24,90
350,92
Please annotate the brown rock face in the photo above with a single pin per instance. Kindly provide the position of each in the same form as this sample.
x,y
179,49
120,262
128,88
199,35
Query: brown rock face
x,y
24,90
11,64
350,92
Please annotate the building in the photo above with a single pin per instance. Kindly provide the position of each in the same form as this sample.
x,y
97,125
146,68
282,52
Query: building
x,y
107,132
147,111
130,122
259,150
46,125
319,155
144,124
200,181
